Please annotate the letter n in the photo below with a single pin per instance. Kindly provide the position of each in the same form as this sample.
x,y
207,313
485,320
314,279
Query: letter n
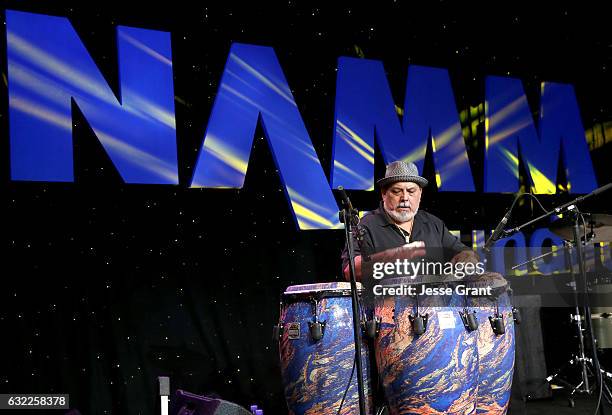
x,y
48,66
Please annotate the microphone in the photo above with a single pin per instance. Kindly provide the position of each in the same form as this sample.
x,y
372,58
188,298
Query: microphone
x,y
500,227
355,222
345,199
348,206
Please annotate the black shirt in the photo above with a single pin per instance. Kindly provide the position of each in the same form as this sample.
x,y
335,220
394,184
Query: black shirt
x,y
380,233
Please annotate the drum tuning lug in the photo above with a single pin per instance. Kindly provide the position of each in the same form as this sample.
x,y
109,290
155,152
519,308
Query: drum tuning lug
x,y
497,324
419,323
372,327
516,315
277,331
317,329
470,321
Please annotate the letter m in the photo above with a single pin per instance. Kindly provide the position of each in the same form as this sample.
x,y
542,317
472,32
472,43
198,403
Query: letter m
x,y
366,112
511,136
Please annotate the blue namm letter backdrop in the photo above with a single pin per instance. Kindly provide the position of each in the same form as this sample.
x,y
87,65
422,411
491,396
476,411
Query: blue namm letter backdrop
x,y
510,131
254,87
48,65
365,109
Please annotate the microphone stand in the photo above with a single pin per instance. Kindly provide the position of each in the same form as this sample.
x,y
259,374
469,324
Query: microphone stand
x,y
556,210
350,218
571,207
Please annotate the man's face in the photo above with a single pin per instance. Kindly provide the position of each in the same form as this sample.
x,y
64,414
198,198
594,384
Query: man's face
x,y
401,201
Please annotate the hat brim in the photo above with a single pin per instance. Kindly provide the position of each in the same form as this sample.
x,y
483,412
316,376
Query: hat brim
x,y
386,181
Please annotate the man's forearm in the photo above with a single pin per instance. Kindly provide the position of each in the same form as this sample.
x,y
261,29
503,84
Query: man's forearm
x,y
407,251
388,255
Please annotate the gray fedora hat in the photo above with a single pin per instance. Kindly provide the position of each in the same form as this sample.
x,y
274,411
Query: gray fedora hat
x,y
400,171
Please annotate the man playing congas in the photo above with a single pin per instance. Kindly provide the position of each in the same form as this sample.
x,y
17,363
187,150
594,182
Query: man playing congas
x,y
399,230
438,350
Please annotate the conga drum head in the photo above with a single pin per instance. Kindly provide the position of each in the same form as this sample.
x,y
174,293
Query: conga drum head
x,y
320,290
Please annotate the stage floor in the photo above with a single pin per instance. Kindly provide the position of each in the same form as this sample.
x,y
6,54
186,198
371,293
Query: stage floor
x,y
558,405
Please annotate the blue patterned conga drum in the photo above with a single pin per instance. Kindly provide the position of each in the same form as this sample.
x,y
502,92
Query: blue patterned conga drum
x,y
317,366
495,347
435,372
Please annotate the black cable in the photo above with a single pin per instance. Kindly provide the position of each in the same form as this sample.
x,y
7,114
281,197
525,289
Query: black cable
x,y
516,199
348,386
536,199
520,195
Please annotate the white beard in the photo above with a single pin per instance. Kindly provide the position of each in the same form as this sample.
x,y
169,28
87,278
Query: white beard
x,y
401,217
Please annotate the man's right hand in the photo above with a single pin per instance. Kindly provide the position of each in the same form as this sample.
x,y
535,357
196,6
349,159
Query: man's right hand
x,y
408,251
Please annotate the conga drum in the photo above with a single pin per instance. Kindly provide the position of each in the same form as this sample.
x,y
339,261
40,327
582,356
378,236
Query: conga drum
x,y
436,371
495,342
317,351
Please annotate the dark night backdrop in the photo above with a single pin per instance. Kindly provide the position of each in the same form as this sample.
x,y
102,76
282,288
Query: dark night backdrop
x,y
106,286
